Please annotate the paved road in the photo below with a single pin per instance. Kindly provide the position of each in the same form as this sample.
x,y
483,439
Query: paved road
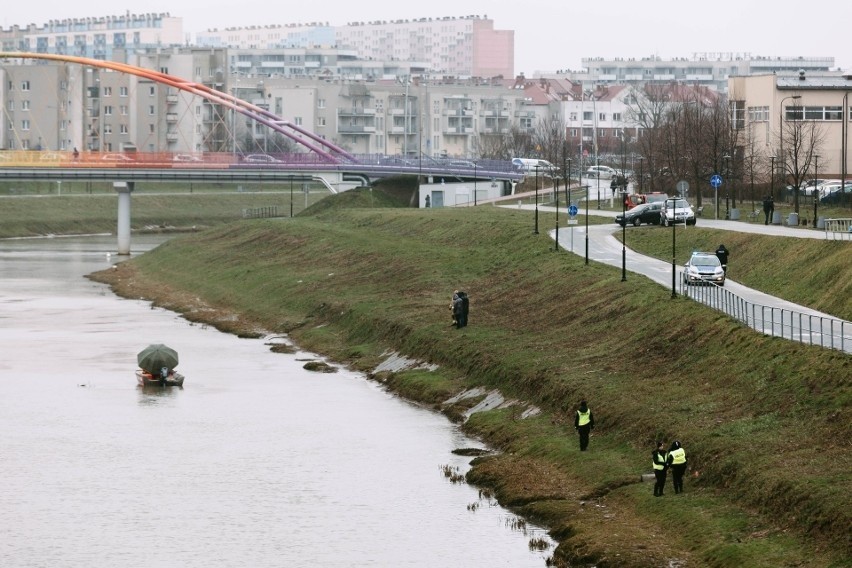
x,y
768,314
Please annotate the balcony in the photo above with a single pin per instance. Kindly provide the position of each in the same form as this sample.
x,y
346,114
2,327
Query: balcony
x,y
171,99
171,117
457,131
172,136
356,112
358,129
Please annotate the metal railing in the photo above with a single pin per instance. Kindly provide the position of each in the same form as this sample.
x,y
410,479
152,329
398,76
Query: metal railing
x,y
813,329
838,229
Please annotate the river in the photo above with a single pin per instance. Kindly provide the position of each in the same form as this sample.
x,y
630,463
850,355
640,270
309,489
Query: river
x,y
254,463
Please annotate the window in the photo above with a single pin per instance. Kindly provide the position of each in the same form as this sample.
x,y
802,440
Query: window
x,y
297,121
123,110
107,110
588,115
25,105
25,85
151,128
320,103
602,117
572,117
123,129
107,91
11,105
152,90
107,128
616,117
122,91
758,114
151,110
320,121
25,125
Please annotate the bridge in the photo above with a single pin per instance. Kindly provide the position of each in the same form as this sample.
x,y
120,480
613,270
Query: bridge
x,y
319,158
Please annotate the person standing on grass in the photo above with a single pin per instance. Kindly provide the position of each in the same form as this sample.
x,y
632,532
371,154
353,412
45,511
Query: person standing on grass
x,y
584,422
677,462
658,460
464,308
768,208
456,309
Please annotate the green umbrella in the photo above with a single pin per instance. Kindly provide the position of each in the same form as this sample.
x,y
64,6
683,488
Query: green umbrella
x,y
156,356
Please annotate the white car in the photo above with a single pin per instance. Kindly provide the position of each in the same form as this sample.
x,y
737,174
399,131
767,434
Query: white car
x,y
185,158
261,159
703,267
676,211
601,172
116,158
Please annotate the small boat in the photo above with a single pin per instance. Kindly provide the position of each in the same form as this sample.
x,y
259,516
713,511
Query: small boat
x,y
171,379
157,364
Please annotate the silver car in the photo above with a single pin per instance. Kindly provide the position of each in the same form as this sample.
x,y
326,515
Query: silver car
x,y
703,267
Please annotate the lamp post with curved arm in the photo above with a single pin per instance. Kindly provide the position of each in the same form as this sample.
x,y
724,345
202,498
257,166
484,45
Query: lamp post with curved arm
x,y
781,135
816,188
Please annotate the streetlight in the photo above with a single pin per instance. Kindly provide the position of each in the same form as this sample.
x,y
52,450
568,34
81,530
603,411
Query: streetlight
x,y
555,180
781,134
474,183
535,232
816,188
674,249
291,197
641,173
727,160
588,188
623,194
772,177
844,133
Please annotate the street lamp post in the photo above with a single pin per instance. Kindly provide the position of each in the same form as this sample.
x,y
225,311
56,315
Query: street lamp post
x,y
291,196
674,249
623,194
844,133
772,176
588,188
641,173
816,188
781,135
535,232
474,183
727,159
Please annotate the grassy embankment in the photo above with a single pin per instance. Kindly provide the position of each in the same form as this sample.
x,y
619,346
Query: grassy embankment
x,y
765,422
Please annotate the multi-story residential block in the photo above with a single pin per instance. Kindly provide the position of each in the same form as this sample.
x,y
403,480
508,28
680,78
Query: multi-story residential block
x,y
704,69
460,47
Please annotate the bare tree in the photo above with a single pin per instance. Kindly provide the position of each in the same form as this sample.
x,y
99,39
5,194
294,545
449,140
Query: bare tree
x,y
802,140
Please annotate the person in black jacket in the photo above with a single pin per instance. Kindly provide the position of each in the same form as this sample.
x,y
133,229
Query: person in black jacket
x,y
658,460
465,306
584,422
722,255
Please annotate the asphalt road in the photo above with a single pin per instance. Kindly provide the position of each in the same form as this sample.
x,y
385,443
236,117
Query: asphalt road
x,y
768,314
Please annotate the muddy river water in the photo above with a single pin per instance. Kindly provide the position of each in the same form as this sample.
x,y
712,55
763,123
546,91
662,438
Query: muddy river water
x,y
254,463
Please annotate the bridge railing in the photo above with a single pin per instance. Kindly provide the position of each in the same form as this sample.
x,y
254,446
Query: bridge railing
x,y
794,325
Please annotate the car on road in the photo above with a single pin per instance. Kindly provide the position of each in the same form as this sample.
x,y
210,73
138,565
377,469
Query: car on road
x,y
703,267
601,172
261,159
185,158
648,213
116,158
676,211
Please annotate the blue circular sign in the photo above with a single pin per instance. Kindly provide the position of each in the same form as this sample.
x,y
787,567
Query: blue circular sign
x,y
572,210
716,180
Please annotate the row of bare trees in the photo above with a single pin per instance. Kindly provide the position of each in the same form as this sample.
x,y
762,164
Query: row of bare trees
x,y
687,133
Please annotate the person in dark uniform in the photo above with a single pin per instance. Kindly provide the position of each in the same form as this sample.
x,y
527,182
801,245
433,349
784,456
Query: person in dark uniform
x,y
768,208
584,422
722,255
658,460
464,308
456,307
677,462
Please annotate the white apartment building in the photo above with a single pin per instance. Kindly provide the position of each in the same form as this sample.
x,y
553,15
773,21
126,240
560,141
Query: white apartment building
x,y
707,69
466,46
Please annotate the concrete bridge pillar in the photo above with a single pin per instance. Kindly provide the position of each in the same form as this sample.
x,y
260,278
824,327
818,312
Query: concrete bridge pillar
x,y
124,188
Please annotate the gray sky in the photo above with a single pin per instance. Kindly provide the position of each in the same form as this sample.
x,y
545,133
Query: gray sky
x,y
549,34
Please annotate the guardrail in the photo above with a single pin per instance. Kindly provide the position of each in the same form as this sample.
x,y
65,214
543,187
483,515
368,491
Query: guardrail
x,y
826,332
260,212
838,229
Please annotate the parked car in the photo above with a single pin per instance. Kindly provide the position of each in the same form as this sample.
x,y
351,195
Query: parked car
x,y
648,213
531,165
676,211
601,172
703,267
834,195
261,159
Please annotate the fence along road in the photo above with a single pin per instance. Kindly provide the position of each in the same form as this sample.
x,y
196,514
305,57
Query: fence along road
x,y
764,313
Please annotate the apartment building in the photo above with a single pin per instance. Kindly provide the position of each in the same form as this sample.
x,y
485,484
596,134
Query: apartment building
x,y
705,69
466,46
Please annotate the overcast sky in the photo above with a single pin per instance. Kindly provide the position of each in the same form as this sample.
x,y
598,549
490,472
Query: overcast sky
x,y
549,34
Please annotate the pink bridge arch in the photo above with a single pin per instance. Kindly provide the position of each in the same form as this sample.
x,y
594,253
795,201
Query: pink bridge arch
x,y
330,152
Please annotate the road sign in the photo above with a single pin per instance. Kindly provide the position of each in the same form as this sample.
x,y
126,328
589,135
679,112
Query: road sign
x,y
572,210
716,180
572,221
683,187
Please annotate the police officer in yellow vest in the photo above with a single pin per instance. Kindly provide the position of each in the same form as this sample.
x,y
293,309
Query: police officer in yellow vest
x,y
658,460
677,461
583,424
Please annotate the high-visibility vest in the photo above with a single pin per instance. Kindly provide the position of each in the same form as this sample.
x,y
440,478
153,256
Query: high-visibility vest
x,y
660,460
584,417
678,456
